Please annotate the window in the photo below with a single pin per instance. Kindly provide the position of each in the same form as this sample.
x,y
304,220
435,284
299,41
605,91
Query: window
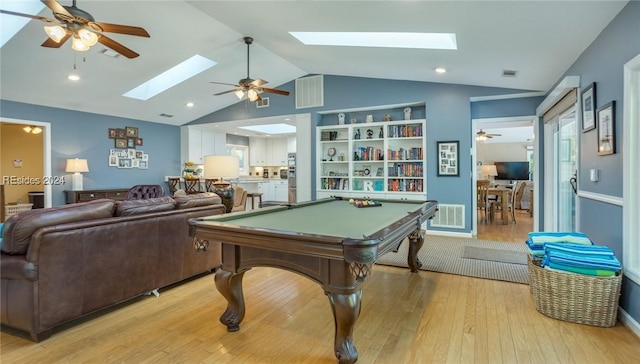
x,y
242,151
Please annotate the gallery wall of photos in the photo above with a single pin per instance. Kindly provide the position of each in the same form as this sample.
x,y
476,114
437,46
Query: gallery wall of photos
x,y
125,153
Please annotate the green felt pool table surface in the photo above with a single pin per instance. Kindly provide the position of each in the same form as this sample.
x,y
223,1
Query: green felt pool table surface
x,y
330,217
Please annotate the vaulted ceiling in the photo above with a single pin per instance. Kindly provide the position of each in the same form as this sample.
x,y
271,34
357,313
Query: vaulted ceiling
x,y
538,39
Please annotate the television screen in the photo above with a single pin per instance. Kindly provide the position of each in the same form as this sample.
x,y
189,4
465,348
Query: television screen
x,y
512,170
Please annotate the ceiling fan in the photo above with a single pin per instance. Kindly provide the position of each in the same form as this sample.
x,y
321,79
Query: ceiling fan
x,y
248,86
481,135
75,23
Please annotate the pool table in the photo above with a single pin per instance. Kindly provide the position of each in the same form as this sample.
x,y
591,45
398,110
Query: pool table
x,y
330,241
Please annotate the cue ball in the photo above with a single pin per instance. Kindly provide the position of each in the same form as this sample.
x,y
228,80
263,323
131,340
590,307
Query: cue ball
x,y
351,200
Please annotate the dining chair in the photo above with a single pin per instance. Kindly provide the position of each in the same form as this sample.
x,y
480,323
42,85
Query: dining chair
x,y
240,199
174,184
191,185
209,184
483,197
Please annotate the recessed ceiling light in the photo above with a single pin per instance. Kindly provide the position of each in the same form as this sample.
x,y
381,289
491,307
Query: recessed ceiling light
x,y
171,77
379,39
271,128
73,77
189,104
441,70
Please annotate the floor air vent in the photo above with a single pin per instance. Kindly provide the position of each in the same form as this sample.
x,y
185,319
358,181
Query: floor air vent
x,y
309,92
449,216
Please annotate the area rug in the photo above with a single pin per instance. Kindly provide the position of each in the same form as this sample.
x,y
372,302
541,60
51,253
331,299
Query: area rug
x,y
494,255
445,255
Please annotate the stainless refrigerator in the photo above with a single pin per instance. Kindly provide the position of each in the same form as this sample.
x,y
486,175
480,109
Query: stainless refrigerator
x,y
291,160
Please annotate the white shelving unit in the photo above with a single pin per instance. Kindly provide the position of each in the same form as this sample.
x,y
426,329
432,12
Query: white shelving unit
x,y
384,160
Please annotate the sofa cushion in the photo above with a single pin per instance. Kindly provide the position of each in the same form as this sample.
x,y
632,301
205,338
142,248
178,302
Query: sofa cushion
x,y
17,230
137,207
197,199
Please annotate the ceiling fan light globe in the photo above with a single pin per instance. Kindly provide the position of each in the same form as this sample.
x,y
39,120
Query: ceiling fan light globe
x,y
88,37
78,45
55,32
239,94
253,95
36,130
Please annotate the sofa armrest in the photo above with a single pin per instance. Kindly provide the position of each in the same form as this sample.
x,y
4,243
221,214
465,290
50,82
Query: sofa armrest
x,y
17,267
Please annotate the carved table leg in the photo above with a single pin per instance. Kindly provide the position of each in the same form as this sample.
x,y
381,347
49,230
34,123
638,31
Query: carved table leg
x,y
416,239
230,286
346,309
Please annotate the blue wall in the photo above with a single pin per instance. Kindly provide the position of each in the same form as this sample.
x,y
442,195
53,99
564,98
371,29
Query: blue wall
x,y
84,135
603,63
447,110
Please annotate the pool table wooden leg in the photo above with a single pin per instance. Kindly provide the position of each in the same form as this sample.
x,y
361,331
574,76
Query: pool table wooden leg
x,y
346,309
230,286
416,239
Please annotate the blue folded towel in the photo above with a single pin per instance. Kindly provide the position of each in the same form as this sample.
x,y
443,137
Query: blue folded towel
x,y
540,238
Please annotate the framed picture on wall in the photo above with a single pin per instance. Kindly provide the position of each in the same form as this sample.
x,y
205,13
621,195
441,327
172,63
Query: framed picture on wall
x,y
448,158
588,98
606,129
121,143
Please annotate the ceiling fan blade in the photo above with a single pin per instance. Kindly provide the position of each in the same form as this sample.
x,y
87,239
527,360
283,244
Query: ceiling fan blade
x,y
259,82
224,83
120,29
50,43
36,17
225,92
117,46
58,9
274,91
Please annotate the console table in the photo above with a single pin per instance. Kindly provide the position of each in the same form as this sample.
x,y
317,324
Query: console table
x,y
90,195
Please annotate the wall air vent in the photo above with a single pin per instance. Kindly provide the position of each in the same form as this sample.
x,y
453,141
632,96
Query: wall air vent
x,y
263,102
166,115
309,92
449,216
509,73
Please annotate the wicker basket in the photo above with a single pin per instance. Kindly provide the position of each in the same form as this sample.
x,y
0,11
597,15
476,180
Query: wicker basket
x,y
575,298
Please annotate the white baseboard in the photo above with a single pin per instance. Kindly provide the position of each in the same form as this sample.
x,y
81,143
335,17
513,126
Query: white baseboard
x,y
629,322
449,233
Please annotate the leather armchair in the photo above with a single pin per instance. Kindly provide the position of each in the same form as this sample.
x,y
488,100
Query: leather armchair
x,y
143,192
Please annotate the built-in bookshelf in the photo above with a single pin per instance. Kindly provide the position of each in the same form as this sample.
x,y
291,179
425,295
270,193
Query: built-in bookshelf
x,y
372,160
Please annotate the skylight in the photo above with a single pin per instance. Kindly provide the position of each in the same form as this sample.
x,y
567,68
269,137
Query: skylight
x,y
12,24
379,39
271,128
171,77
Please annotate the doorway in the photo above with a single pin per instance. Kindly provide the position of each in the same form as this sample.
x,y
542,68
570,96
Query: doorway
x,y
564,172
46,162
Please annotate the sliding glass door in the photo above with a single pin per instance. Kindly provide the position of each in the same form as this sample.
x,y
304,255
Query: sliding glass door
x,y
564,172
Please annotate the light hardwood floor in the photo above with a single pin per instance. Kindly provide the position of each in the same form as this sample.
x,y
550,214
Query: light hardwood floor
x,y
406,318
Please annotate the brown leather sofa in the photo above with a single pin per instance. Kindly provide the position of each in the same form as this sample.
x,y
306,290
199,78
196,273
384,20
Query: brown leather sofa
x,y
65,262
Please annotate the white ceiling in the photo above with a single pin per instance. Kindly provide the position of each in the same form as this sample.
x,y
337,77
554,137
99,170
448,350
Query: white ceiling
x,y
538,39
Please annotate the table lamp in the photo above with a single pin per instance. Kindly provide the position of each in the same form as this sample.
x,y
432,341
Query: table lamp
x,y
222,166
77,166
489,170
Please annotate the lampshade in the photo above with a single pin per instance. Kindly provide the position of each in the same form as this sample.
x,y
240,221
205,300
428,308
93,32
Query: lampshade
x,y
253,96
489,170
77,44
221,166
239,94
88,37
77,166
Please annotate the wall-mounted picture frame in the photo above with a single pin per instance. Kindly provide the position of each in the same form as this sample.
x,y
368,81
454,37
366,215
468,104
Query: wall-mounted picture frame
x,y
121,133
448,158
113,133
606,119
113,160
143,164
138,142
588,98
131,143
121,143
131,132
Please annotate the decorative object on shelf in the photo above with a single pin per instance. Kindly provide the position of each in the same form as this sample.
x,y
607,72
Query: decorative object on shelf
x,y
356,135
341,157
366,170
77,166
222,166
381,133
386,117
189,170
407,113
448,159
354,120
331,152
369,134
369,119
588,96
606,129
341,118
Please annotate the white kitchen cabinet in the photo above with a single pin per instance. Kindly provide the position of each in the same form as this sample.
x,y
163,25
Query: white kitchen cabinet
x,y
266,190
280,191
267,152
197,143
